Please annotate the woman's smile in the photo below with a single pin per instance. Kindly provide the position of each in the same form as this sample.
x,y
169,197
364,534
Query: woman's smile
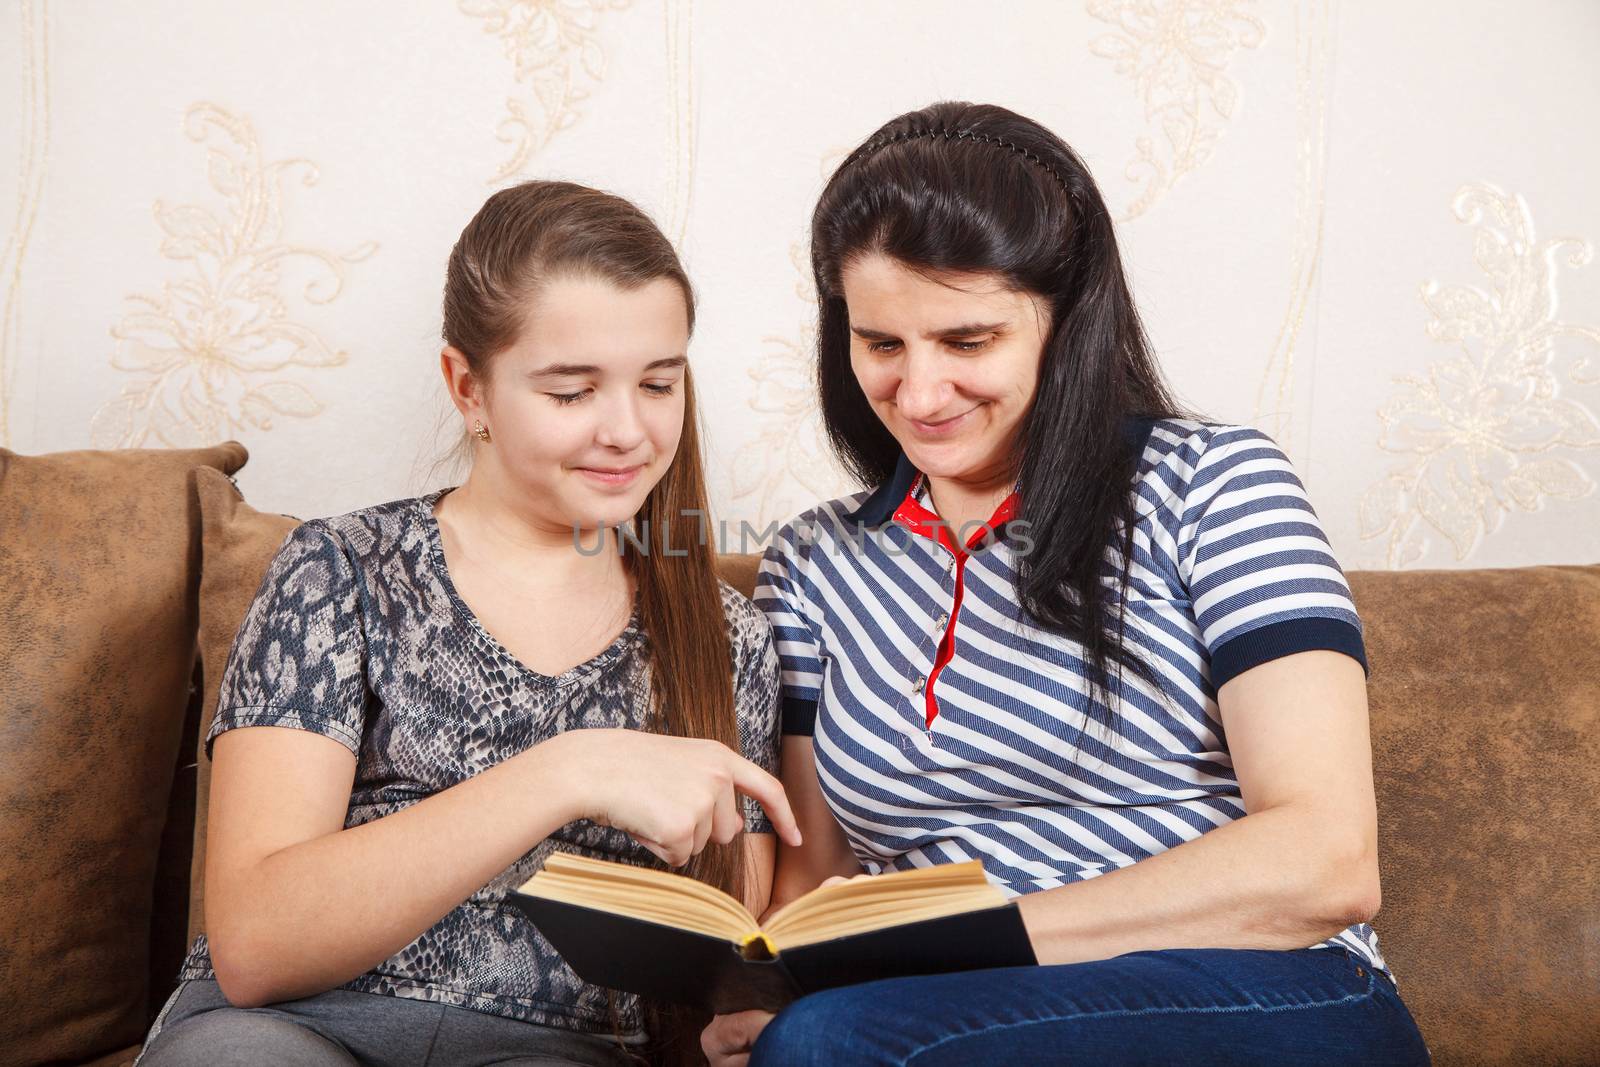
x,y
941,428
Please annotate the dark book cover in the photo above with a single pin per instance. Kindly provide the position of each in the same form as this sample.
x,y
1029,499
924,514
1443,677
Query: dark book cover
x,y
681,966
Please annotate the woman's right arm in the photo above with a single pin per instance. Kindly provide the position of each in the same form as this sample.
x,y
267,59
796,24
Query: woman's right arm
x,y
780,593
826,852
296,904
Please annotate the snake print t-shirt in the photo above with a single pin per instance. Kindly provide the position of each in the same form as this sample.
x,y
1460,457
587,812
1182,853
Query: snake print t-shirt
x,y
358,634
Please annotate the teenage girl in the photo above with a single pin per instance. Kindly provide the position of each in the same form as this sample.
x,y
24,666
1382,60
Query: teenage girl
x,y
429,696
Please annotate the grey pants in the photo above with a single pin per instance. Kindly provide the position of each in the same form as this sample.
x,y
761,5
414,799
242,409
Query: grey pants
x,y
346,1028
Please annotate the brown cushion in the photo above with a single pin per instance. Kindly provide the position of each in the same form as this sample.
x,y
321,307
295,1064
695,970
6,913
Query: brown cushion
x,y
739,571
98,576
237,543
1485,698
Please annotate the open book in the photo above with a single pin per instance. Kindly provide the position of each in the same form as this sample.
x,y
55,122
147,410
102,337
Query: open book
x,y
670,937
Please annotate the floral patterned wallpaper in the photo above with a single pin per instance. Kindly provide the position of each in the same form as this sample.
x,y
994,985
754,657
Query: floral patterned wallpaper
x,y
1367,232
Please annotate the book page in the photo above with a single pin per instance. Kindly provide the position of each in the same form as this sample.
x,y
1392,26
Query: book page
x,y
821,915
883,901
654,896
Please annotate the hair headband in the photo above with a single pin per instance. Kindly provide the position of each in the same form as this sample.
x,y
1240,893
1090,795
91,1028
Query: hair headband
x,y
958,135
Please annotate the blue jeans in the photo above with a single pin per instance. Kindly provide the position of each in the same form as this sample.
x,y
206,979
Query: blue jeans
x,y
1174,1006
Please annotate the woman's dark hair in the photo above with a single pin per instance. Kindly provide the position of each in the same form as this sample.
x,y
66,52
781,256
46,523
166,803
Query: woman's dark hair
x,y
523,238
976,188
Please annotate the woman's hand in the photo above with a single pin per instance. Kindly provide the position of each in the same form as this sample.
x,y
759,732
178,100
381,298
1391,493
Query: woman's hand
x,y
727,1041
671,794
841,879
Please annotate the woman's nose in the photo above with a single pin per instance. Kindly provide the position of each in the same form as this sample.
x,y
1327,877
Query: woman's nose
x,y
924,389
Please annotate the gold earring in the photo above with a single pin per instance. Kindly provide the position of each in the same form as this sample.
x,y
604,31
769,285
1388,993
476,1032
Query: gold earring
x,y
480,431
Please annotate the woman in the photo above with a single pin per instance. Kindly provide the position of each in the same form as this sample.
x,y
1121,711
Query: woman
x,y
1074,633
468,684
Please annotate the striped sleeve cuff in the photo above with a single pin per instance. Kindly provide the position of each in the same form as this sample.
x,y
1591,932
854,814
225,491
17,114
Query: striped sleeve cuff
x,y
1254,647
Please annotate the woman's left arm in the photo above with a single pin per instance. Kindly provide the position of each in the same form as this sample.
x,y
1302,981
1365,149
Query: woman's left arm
x,y
1298,868
760,857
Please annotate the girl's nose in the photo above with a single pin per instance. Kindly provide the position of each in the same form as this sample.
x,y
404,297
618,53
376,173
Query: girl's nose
x,y
621,425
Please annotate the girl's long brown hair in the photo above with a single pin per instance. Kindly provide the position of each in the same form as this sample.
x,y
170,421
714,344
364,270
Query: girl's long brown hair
x,y
521,239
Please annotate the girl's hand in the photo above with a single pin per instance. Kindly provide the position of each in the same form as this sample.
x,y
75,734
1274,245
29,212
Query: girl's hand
x,y
727,1041
671,794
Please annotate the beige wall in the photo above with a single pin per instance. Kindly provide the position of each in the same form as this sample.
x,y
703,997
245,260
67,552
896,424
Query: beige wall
x,y
1366,228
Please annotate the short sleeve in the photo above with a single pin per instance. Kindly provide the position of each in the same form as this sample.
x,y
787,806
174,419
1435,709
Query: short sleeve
x,y
779,593
1261,575
299,658
755,699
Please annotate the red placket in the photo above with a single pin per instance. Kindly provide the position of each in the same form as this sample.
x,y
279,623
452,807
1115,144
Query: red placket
x,y
917,518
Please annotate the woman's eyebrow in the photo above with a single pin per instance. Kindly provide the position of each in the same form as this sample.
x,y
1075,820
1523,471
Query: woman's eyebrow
x,y
966,329
580,370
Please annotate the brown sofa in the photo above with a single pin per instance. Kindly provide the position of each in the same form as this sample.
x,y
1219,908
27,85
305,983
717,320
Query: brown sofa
x,y
124,574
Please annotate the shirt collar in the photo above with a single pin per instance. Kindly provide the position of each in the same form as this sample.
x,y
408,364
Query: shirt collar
x,y
880,507
915,516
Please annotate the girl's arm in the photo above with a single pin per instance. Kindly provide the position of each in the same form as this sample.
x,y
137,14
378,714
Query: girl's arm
x,y
826,851
296,904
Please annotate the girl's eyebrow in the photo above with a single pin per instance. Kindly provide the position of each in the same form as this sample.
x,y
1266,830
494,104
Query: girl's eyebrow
x,y
966,329
580,370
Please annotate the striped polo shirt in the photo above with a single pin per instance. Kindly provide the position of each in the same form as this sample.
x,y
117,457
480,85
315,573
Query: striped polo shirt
x,y
947,726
